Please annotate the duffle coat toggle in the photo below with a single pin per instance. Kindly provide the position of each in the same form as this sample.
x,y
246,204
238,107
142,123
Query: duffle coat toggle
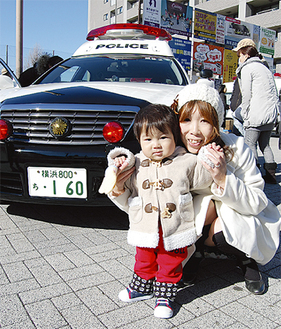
x,y
158,184
165,162
166,213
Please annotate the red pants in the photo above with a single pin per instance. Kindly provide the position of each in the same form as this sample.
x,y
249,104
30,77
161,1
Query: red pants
x,y
164,266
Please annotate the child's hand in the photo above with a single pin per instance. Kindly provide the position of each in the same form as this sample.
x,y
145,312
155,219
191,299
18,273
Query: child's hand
x,y
121,162
111,175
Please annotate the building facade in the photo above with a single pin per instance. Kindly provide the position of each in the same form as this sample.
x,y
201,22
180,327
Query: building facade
x,y
266,13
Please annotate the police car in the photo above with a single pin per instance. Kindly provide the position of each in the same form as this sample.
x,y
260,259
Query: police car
x,y
56,133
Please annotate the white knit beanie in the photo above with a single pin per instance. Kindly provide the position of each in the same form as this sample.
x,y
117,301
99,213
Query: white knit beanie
x,y
201,92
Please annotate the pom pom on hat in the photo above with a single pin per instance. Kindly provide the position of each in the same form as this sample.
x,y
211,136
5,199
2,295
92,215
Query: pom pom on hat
x,y
201,92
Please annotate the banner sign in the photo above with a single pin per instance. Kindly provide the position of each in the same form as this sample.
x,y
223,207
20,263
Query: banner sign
x,y
229,65
211,57
267,39
174,17
182,51
220,33
205,25
151,12
235,30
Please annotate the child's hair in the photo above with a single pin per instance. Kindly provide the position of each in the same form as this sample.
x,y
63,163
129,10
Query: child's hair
x,y
207,111
157,116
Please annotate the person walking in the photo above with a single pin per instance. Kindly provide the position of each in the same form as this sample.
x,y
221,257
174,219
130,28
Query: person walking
x,y
222,90
235,101
260,104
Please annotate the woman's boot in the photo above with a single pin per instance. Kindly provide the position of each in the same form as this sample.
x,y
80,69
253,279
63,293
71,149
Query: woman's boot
x,y
249,267
269,176
191,268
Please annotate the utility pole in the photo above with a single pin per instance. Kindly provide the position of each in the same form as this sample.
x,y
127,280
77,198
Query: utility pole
x,y
19,37
139,12
7,54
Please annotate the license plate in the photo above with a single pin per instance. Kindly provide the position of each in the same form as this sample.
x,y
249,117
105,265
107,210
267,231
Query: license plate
x,y
55,182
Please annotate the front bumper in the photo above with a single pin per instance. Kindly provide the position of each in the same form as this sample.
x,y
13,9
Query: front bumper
x,y
16,158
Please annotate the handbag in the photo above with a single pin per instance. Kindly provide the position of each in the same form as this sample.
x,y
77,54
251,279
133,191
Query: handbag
x,y
237,114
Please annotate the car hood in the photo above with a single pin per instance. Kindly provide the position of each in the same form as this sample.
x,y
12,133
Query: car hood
x,y
93,92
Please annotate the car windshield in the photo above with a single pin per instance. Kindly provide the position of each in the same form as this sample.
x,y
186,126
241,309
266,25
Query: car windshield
x,y
103,68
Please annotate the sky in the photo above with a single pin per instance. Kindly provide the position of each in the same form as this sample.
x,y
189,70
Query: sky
x,y
58,26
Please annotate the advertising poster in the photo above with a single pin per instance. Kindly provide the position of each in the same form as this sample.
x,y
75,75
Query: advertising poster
x,y
236,30
182,51
267,39
176,18
229,65
151,12
220,29
205,25
256,34
211,57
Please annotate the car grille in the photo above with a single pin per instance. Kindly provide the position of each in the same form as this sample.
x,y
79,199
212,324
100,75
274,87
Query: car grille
x,y
87,121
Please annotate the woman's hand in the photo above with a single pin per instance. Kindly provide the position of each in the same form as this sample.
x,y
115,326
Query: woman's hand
x,y
217,156
122,176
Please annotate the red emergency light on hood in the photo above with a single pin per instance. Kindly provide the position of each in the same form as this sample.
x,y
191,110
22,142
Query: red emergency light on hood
x,y
128,31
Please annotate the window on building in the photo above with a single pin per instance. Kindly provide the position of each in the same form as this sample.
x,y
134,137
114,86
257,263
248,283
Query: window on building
x,y
120,10
105,1
132,4
256,10
112,17
112,2
105,17
133,20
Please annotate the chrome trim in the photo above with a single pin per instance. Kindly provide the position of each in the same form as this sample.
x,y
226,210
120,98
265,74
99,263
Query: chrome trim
x,y
31,122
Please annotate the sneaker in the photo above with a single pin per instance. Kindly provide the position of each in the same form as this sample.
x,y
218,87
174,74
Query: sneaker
x,y
163,308
129,295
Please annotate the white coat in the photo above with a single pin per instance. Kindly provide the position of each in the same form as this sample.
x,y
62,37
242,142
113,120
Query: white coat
x,y
260,103
250,222
160,192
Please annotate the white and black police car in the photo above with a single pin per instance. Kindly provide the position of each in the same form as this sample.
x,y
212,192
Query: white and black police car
x,y
56,133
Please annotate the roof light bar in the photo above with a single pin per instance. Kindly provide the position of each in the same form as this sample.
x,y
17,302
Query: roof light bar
x,y
128,30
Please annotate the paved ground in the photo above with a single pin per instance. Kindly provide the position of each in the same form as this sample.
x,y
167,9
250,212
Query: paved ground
x,y
63,268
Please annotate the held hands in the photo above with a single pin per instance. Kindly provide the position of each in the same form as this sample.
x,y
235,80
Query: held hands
x,y
120,163
115,178
121,176
213,159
